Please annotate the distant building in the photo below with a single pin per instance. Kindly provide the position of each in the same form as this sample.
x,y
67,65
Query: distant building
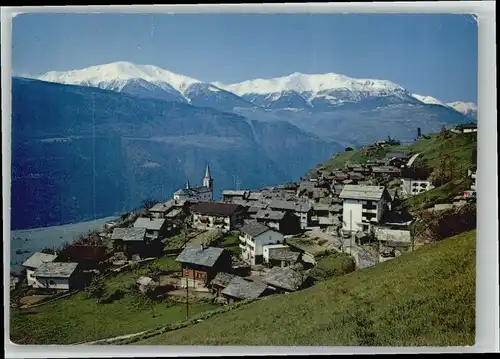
x,y
34,262
155,228
285,279
279,255
243,289
282,221
466,128
202,193
253,236
164,210
300,209
217,215
363,206
133,241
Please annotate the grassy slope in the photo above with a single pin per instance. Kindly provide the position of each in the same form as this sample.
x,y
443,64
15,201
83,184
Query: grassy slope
x,y
79,318
459,147
422,298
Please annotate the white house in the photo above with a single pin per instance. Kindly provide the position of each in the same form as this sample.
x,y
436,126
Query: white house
x,y
363,206
254,236
412,187
56,275
217,215
202,193
34,262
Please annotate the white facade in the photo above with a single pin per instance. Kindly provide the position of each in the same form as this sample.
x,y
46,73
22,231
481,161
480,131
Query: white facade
x,y
30,278
252,247
412,187
201,221
52,283
266,248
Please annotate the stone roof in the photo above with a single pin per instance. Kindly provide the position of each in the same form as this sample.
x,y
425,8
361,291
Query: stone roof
x,y
174,213
151,224
222,279
284,278
290,206
283,254
254,228
56,270
385,169
254,196
129,234
393,235
37,259
215,208
271,215
203,256
362,192
230,192
162,207
241,288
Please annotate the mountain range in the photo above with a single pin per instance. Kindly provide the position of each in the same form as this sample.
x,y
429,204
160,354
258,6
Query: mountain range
x,y
94,142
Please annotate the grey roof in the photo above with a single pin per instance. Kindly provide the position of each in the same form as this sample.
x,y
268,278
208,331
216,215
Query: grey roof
x,y
271,215
290,206
283,254
241,288
162,207
150,224
392,235
174,213
37,259
254,196
201,256
285,278
327,207
396,155
254,228
56,270
222,279
129,234
362,192
216,208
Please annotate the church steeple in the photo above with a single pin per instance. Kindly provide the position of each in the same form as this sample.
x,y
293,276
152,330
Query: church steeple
x,y
207,180
188,186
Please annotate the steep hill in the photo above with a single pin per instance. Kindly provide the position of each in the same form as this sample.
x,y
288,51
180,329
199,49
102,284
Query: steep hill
x,y
423,298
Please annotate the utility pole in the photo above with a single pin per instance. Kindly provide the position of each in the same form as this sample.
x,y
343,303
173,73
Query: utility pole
x,y
187,296
350,230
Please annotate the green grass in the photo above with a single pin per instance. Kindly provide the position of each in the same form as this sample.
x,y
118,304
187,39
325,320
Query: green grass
x,y
441,194
423,298
333,265
79,318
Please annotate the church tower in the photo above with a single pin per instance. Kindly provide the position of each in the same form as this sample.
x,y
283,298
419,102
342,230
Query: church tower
x,y
207,180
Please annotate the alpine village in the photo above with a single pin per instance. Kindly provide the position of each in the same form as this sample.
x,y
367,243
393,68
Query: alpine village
x,y
365,249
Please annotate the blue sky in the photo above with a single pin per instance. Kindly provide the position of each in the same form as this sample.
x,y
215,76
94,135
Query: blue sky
x,y
434,55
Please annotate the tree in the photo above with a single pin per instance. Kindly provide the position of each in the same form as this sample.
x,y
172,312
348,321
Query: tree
x,y
148,203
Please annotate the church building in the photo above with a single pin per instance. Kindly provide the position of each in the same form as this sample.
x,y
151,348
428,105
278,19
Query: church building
x,y
202,193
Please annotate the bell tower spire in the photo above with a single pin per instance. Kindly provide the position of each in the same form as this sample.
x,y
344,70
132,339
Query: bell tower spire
x,y
207,180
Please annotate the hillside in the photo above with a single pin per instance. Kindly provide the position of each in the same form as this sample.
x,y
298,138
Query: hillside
x,y
431,148
424,298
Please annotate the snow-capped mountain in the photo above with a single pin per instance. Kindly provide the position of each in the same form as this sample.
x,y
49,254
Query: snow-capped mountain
x,y
467,108
148,81
314,91
429,100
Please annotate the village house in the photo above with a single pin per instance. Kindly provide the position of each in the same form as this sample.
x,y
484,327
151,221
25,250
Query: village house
x,y
282,221
393,237
253,236
164,210
217,215
415,181
155,228
220,281
229,196
363,206
385,171
133,241
326,215
471,193
200,264
279,255
466,128
57,276
243,289
202,193
300,209
34,262
285,279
